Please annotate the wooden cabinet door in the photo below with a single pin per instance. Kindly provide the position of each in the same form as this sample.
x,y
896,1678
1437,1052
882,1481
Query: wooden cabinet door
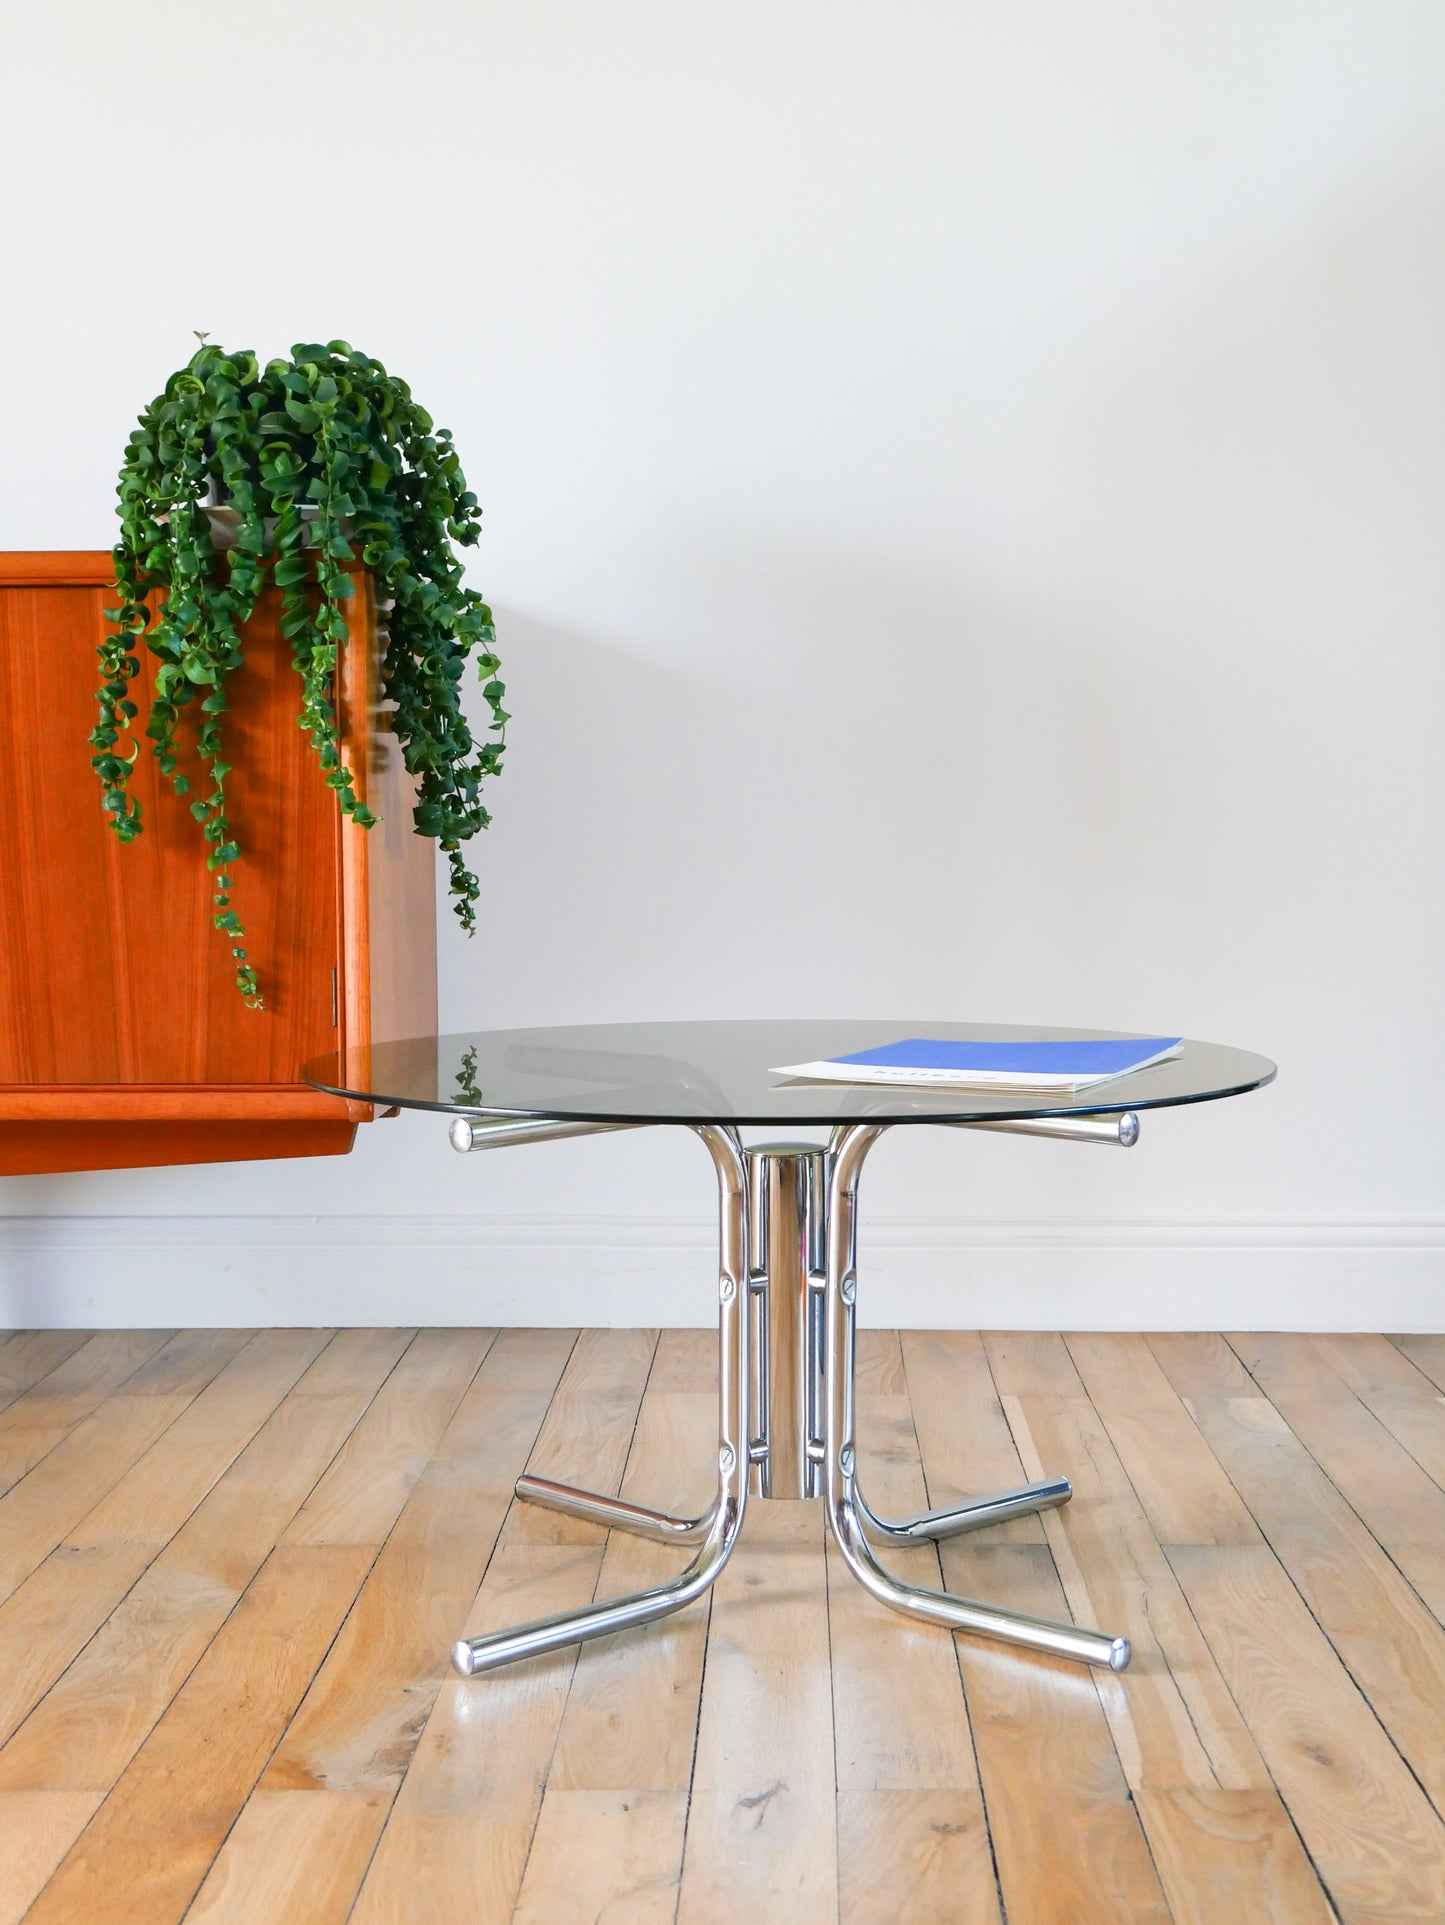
x,y
117,995
110,969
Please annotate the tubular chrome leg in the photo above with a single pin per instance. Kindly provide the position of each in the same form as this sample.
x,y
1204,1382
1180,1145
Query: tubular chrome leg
x,y
850,1146
1046,1495
472,1655
614,1513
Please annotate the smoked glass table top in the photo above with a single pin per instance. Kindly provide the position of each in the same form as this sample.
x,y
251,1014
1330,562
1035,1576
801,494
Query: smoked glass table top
x,y
720,1072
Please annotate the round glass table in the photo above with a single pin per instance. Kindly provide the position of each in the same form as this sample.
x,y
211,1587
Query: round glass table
x,y
787,1268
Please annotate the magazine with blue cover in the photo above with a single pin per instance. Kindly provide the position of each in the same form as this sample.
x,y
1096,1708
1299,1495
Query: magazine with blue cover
x,y
1060,1063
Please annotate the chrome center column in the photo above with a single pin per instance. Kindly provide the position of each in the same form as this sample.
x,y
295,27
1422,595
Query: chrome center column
x,y
788,1197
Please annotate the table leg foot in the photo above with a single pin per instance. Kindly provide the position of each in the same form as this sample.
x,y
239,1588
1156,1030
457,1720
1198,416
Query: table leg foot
x,y
614,1513
1045,1495
963,1614
716,1532
471,1656
843,1505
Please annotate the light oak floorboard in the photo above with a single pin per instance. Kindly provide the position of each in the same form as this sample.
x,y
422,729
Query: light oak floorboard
x,y
1173,1720
899,1718
158,1493
878,1366
1427,1353
42,1416
1065,1830
1399,1503
290,1857
1231,1855
81,1585
588,1430
1200,1361
359,1733
631,1717
456,1841
1185,1491
89,1726
361,1495
40,1510
1392,1645
144,1854
1369,1828
966,1445
489,1741
351,1742
27,1357
909,1806
917,1857
1031,1363
761,1834
620,1771
37,1829
1407,1402
604,1855
1071,1847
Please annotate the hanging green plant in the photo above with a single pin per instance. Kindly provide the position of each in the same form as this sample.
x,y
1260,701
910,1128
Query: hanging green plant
x,y
320,460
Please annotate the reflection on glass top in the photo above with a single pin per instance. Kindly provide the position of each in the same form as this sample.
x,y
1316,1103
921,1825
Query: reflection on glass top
x,y
719,1073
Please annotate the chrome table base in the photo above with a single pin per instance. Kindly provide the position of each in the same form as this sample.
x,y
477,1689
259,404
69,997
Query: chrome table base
x,y
787,1292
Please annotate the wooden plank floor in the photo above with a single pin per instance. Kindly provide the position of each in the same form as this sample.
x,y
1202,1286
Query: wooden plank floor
x,y
232,1564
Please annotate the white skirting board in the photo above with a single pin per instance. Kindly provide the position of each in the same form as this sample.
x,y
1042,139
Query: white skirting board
x,y
118,1271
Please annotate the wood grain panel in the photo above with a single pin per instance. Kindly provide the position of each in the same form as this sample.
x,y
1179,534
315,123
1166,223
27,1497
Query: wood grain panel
x,y
117,999
42,1148
57,567
96,935
388,873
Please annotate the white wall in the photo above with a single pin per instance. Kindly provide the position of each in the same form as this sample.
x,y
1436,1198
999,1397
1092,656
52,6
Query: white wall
x,y
964,495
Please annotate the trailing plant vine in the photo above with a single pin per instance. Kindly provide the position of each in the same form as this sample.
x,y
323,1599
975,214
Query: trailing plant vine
x,y
320,461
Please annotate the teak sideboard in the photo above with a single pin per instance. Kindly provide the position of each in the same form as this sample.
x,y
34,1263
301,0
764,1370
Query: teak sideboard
x,y
123,1039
